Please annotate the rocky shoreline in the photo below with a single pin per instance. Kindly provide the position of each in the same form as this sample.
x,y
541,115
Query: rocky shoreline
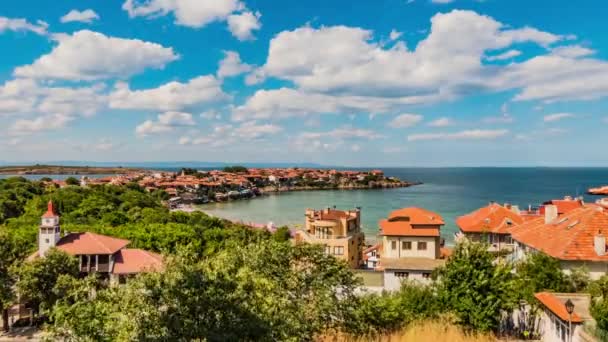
x,y
601,191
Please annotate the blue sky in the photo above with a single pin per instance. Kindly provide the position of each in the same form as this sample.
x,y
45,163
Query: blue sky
x,y
361,83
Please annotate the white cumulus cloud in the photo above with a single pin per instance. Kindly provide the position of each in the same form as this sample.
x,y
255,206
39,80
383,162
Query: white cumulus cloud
x,y
441,122
476,134
20,24
166,122
199,13
87,55
86,16
557,117
231,65
170,96
242,25
405,120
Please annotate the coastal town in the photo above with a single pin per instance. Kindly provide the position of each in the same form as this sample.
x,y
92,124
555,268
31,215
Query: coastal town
x,y
191,186
410,246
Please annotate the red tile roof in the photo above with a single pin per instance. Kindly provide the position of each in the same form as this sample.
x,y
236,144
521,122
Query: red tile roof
x,y
401,228
556,306
50,211
417,216
129,261
564,205
411,222
568,237
90,243
494,218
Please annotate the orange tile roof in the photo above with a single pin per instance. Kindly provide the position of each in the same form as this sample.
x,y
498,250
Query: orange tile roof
x,y
494,218
402,228
565,205
417,216
129,261
556,306
568,237
50,211
90,243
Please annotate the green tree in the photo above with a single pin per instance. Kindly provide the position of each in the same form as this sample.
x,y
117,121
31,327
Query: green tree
x,y
10,252
293,288
82,311
36,279
72,181
374,314
599,305
475,288
282,234
540,272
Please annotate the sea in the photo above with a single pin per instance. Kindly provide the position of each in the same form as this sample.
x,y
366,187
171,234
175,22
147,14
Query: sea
x,y
451,192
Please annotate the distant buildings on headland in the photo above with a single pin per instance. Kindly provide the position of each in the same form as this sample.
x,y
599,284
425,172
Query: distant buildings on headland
x,y
195,187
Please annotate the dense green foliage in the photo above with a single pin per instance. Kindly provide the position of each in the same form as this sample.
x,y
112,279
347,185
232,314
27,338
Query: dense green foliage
x,y
599,305
475,288
268,291
14,194
36,279
389,311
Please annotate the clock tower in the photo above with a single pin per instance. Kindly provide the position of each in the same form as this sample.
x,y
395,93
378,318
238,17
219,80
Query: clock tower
x,y
49,232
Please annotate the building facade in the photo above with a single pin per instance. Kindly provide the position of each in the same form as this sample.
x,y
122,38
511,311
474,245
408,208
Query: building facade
x,y
411,246
105,255
339,231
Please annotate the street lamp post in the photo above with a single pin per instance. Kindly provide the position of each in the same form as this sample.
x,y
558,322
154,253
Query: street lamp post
x,y
570,308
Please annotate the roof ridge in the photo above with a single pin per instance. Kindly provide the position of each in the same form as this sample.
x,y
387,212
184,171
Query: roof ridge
x,y
94,237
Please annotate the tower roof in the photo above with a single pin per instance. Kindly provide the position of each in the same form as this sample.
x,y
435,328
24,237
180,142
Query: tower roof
x,y
50,212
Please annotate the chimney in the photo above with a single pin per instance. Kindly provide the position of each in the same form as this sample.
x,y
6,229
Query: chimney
x,y
599,243
550,213
515,209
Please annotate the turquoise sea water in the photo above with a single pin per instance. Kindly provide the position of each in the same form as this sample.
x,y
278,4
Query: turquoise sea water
x,y
449,191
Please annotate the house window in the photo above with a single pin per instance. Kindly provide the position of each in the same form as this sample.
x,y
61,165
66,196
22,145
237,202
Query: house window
x,y
393,245
426,275
422,246
327,250
338,250
402,274
406,245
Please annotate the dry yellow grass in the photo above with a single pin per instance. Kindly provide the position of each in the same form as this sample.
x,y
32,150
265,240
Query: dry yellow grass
x,y
432,331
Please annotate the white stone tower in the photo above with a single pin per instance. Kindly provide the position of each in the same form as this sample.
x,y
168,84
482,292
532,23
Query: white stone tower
x,y
49,232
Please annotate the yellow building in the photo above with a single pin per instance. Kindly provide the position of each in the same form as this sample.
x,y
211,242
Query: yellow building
x,y
338,230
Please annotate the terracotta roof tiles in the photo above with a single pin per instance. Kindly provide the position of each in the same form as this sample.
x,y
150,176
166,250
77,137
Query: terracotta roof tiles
x,y
130,261
568,237
90,243
556,306
493,218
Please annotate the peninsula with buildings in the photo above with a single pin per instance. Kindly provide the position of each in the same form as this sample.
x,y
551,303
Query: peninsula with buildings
x,y
191,186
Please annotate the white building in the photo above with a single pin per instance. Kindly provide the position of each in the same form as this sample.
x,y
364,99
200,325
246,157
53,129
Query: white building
x,y
410,246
